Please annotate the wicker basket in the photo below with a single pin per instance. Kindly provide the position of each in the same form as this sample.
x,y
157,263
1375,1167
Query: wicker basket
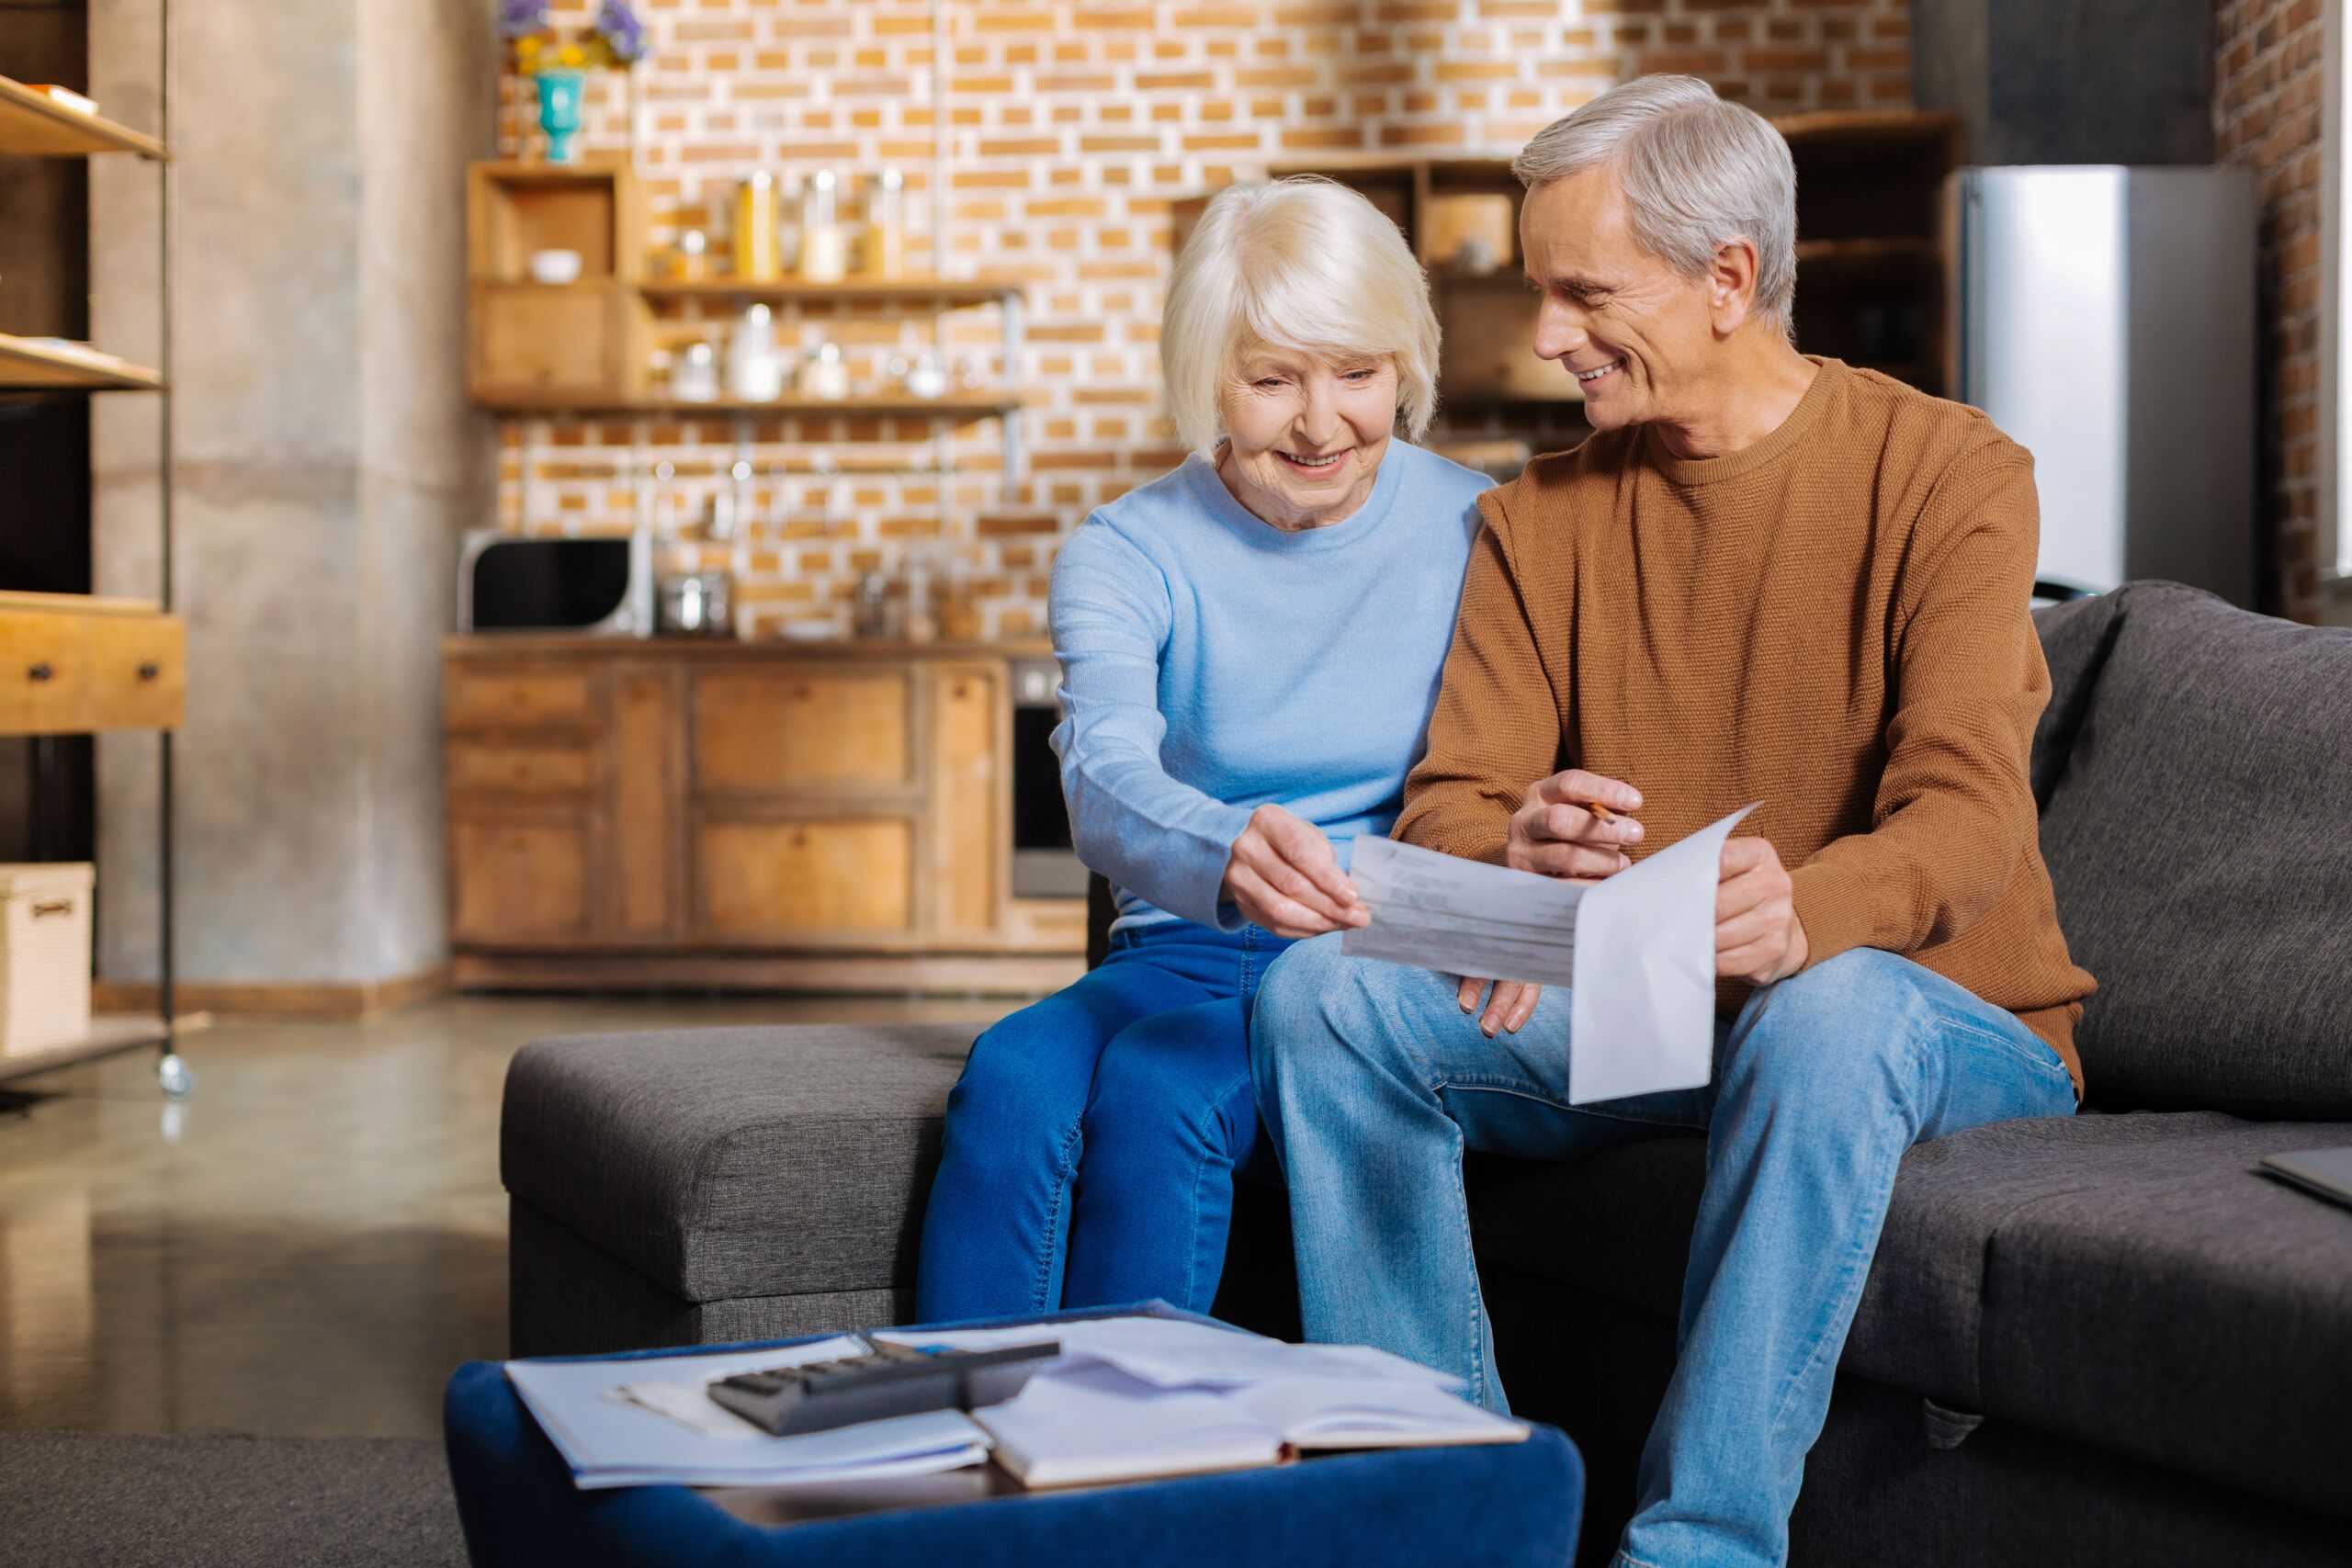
x,y
44,957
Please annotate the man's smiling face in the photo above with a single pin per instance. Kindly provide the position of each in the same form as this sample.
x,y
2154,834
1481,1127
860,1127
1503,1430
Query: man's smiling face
x,y
1638,337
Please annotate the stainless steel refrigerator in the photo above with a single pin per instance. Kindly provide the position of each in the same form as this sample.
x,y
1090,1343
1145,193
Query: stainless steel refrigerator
x,y
2106,320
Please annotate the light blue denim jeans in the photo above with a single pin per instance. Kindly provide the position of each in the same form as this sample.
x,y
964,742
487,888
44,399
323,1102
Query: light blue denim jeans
x,y
1372,1081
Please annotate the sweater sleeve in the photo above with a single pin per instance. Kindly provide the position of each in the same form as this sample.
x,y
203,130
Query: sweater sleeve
x,y
1147,831
1954,816
1496,727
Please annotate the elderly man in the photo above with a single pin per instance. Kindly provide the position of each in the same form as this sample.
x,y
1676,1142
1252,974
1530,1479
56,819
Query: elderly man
x,y
1765,576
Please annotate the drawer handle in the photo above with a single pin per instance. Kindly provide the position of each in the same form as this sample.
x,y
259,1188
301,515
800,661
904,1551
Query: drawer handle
x,y
41,671
61,907
149,671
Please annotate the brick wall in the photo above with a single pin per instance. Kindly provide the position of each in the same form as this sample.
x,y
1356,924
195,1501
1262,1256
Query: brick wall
x,y
1075,130
2268,113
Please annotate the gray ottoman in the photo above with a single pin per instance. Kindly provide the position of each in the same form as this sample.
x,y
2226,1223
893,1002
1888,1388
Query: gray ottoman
x,y
700,1186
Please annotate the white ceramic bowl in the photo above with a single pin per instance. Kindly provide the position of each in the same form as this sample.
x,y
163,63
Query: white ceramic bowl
x,y
555,267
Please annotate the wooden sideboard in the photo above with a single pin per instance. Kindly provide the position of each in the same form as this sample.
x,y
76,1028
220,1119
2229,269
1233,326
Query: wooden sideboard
x,y
785,816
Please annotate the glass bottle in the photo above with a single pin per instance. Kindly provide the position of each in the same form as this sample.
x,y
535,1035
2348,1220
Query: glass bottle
x,y
822,245
886,226
755,228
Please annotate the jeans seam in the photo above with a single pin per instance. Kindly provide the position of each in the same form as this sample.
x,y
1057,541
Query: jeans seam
x,y
1065,1172
1852,1279
1385,1007
1542,1098
2044,1058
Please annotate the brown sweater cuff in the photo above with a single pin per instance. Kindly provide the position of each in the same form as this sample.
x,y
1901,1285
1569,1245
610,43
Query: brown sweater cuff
x,y
1834,907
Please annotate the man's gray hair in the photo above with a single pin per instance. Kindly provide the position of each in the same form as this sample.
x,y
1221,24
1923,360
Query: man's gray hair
x,y
1696,171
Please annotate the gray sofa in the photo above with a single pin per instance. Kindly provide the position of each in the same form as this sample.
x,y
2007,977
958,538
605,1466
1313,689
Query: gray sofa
x,y
2105,1339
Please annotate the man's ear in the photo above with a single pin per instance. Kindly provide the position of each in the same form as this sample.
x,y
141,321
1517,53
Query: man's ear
x,y
1731,286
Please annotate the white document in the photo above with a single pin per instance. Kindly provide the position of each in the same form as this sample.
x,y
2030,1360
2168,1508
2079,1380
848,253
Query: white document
x,y
1638,950
1172,1353
622,1441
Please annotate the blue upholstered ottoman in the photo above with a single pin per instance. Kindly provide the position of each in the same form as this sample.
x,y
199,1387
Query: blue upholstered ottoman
x,y
1511,1505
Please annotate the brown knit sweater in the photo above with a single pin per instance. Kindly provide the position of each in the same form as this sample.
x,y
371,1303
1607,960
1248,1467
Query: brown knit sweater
x,y
1832,621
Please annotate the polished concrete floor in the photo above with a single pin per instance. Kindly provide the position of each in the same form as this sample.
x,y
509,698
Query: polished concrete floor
x,y
309,1244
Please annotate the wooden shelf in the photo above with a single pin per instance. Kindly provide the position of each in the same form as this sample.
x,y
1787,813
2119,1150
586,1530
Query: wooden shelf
x,y
790,290
1870,252
30,124
954,405
26,363
1876,129
1506,397
77,604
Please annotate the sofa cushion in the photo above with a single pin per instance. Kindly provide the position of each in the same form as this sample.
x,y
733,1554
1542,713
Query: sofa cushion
x,y
2199,836
723,1163
2076,637
2128,1281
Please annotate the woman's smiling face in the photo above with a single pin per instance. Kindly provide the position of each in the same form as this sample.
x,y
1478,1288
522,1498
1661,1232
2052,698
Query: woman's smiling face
x,y
1304,433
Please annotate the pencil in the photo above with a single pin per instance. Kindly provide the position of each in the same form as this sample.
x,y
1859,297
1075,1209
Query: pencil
x,y
1600,811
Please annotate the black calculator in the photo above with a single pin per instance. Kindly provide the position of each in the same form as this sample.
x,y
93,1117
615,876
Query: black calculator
x,y
889,1380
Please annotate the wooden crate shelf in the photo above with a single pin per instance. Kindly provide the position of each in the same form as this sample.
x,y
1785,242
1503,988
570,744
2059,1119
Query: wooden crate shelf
x,y
27,365
33,126
855,290
953,405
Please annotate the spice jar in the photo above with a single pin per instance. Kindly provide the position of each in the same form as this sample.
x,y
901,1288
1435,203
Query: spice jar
x,y
885,252
823,247
755,228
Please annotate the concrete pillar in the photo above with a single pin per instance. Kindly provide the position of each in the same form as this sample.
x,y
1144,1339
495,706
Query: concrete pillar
x,y
324,463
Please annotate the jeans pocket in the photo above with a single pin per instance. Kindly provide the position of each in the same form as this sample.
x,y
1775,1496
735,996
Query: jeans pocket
x,y
2033,1050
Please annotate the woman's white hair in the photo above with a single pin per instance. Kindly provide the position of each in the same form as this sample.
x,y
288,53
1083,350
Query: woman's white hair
x,y
1302,264
1696,171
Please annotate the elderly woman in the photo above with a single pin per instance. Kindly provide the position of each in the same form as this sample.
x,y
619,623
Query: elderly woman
x,y
1249,649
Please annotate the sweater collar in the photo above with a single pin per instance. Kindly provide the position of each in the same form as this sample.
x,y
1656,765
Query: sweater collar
x,y
1749,459
1255,530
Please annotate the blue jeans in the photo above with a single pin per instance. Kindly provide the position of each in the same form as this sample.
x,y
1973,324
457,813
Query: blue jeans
x,y
1373,1082
1094,1138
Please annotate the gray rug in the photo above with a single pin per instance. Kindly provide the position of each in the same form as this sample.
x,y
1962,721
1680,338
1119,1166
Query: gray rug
x,y
74,1498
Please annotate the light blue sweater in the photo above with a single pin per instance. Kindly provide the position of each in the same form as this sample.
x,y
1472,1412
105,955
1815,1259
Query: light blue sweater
x,y
1211,662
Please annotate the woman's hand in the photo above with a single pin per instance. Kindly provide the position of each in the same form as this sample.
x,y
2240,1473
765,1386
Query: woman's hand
x,y
1285,876
1511,1004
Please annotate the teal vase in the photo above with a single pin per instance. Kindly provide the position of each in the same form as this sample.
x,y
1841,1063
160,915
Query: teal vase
x,y
559,112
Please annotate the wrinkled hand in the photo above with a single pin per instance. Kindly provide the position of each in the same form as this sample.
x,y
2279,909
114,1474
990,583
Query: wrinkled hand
x,y
1285,875
1554,834
1757,936
1511,1004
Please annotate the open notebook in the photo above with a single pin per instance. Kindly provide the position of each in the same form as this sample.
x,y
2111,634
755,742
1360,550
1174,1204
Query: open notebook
x,y
1132,1398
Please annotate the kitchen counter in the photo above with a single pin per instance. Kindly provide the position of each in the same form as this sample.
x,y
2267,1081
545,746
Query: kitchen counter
x,y
508,645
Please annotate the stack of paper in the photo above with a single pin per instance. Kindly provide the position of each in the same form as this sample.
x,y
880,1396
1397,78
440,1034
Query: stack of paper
x,y
640,1423
1147,1396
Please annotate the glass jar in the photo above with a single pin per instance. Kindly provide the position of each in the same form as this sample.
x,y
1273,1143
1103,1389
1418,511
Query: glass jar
x,y
755,228
885,252
823,247
696,379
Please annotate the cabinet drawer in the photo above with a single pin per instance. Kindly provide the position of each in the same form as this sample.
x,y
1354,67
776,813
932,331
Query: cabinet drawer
x,y
518,699
756,879
44,672
534,343
138,671
761,731
523,768
516,879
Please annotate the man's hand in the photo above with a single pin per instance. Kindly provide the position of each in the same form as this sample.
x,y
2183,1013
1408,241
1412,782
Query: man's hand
x,y
1555,833
1511,1004
1285,875
1757,936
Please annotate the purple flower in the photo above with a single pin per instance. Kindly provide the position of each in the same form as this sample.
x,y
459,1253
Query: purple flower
x,y
623,34
521,18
